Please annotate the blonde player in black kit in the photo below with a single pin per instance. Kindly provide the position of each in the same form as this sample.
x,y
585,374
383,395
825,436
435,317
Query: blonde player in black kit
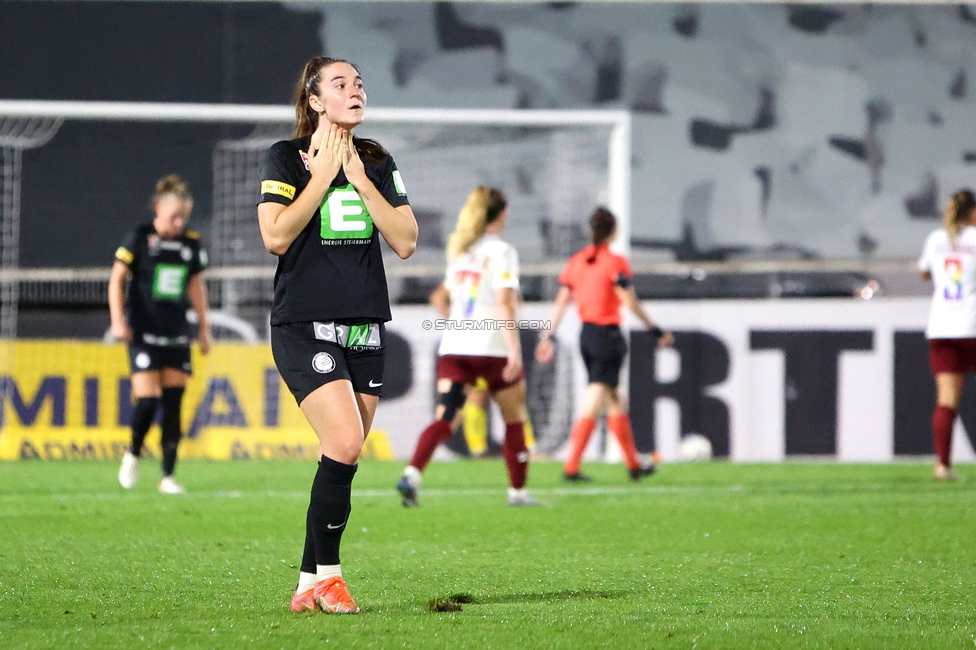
x,y
165,264
326,196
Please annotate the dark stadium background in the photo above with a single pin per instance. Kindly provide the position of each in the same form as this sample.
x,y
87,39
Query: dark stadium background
x,y
93,181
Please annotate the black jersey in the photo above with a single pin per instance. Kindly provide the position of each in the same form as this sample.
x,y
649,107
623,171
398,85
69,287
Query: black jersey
x,y
161,269
334,268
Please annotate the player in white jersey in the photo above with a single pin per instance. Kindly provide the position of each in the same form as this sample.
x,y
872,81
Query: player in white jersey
x,y
473,417
949,261
480,340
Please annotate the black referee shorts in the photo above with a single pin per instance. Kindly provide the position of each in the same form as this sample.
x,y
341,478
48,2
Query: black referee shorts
x,y
604,349
306,363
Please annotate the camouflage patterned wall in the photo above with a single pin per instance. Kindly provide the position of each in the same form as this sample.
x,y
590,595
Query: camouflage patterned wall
x,y
779,129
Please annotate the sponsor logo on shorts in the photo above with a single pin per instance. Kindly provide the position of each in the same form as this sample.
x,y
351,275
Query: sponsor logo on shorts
x,y
152,339
353,337
323,363
325,332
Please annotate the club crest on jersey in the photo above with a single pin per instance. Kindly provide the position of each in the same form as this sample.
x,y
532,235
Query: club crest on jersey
x,y
323,363
304,156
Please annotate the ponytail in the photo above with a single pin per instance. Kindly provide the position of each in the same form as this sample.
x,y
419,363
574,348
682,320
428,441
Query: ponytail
x,y
602,225
483,207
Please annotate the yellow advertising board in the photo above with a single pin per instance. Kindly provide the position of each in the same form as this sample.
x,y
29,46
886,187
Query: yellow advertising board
x,y
72,400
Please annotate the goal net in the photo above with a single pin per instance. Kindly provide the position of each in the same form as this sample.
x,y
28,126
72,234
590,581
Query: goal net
x,y
16,134
553,170
554,167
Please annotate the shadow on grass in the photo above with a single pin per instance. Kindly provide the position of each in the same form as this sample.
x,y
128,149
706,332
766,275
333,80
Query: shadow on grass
x,y
443,604
551,596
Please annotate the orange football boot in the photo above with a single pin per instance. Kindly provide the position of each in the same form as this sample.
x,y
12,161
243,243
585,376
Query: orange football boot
x,y
303,601
332,597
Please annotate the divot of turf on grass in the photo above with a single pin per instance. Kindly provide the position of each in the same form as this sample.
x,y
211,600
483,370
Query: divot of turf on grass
x,y
444,605
450,604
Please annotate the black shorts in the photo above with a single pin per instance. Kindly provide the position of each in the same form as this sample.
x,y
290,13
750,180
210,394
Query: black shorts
x,y
604,349
306,362
144,357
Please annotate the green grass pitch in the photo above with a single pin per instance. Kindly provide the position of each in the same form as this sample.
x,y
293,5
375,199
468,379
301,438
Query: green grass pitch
x,y
698,556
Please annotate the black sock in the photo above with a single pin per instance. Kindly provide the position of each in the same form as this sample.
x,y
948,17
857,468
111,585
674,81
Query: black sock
x,y
308,554
172,429
143,414
329,507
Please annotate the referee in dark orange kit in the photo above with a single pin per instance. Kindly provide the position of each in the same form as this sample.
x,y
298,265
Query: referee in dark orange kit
x,y
600,282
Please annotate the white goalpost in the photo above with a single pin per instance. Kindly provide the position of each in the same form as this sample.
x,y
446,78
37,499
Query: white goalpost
x,y
396,128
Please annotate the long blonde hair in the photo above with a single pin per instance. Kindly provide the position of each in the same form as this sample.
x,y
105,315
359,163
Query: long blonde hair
x,y
483,206
958,212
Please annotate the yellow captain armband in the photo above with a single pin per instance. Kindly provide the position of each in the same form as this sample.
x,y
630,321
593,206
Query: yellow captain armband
x,y
279,188
124,256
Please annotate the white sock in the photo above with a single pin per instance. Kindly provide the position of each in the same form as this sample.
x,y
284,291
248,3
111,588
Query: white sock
x,y
305,581
514,493
326,571
413,476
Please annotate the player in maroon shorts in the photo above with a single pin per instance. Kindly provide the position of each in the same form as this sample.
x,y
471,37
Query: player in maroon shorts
x,y
949,261
599,281
483,281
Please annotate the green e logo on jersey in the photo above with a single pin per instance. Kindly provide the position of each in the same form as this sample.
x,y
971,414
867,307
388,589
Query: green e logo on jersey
x,y
169,281
344,215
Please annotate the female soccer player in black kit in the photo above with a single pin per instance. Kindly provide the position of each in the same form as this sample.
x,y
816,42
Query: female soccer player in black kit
x,y
165,263
326,196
